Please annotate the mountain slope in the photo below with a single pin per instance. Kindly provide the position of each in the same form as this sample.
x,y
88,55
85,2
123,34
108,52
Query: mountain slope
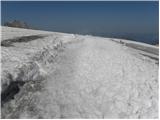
x,y
74,76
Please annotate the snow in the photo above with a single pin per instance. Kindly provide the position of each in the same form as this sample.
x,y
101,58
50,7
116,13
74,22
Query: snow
x,y
10,32
75,76
134,42
141,46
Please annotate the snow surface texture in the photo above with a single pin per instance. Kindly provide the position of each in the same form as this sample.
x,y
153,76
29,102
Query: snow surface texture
x,y
74,76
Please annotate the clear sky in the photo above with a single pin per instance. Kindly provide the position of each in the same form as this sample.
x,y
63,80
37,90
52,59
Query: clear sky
x,y
86,17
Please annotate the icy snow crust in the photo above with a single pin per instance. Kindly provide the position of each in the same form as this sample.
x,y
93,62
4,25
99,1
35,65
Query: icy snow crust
x,y
74,76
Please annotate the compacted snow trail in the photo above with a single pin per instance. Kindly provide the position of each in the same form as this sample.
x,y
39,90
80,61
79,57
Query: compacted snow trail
x,y
95,80
93,77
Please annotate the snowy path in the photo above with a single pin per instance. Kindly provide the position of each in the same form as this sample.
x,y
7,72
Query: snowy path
x,y
93,79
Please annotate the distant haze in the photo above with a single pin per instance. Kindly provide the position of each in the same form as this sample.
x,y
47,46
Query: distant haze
x,y
133,20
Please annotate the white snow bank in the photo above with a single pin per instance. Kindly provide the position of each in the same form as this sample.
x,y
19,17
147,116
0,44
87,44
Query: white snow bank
x,y
22,61
139,45
19,62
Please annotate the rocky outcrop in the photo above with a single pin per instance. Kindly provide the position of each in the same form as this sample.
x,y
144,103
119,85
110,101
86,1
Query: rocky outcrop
x,y
17,23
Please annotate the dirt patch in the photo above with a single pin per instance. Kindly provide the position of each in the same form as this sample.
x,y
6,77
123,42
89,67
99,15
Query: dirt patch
x,y
9,42
11,91
25,101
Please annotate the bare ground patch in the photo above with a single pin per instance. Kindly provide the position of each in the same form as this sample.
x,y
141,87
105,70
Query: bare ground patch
x,y
9,42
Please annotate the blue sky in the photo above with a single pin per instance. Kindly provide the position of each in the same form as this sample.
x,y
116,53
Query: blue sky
x,y
86,17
